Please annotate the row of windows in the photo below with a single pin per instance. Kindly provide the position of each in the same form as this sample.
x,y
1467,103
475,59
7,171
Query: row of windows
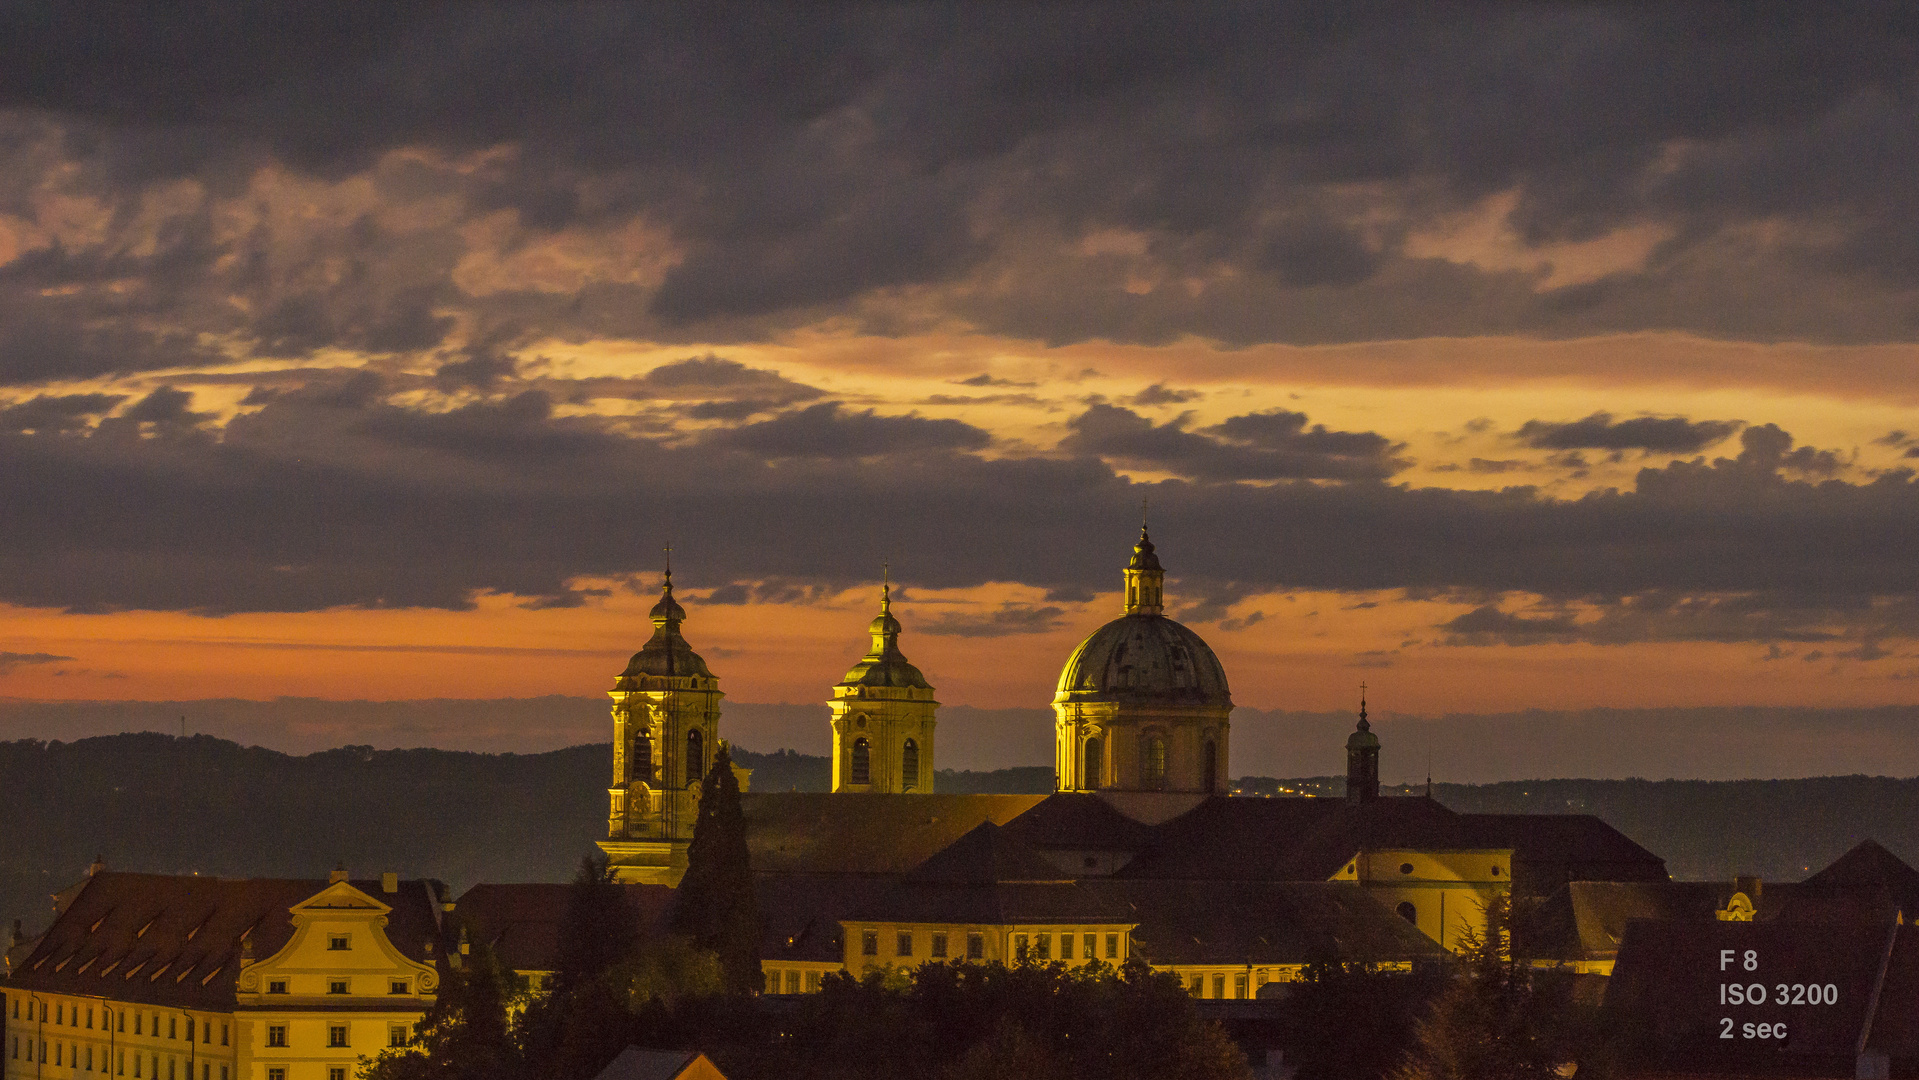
x,y
862,771
792,981
70,1016
1199,983
1033,946
1152,762
337,1036
334,1072
69,1055
343,986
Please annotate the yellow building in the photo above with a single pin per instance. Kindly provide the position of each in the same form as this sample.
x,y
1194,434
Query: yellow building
x,y
882,716
160,977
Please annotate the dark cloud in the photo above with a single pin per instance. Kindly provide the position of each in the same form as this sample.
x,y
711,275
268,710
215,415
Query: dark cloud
x,y
1277,175
1257,446
1660,434
1161,394
57,412
479,370
1003,621
11,660
828,430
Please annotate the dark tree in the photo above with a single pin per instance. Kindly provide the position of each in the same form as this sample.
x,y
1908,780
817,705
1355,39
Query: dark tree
x,y
577,1024
1495,1022
465,1034
1348,1020
715,905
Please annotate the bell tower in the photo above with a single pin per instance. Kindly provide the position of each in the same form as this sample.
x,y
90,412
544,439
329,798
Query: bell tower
x,y
666,727
1362,759
883,716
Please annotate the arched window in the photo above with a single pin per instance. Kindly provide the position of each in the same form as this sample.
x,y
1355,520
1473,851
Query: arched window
x,y
909,766
695,757
642,758
1089,774
1212,765
1152,762
1408,912
862,762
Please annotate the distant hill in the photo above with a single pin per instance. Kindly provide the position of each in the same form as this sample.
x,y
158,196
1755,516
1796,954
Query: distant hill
x,y
205,805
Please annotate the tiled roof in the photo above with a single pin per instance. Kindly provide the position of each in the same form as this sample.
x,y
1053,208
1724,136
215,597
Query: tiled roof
x,y
1288,839
1552,849
986,855
1870,864
817,832
521,922
1079,821
175,941
801,913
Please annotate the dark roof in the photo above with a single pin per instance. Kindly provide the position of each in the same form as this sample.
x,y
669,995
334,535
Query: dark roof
x,y
994,904
1663,998
866,833
801,913
175,941
666,654
1552,849
1144,659
521,922
986,855
1079,821
1290,839
1272,922
1869,864
637,1064
884,664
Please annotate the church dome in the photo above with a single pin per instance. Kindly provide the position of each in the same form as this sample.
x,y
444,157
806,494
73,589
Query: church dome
x,y
666,653
1143,657
885,664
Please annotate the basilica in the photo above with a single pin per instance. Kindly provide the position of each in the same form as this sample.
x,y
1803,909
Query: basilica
x,y
1140,851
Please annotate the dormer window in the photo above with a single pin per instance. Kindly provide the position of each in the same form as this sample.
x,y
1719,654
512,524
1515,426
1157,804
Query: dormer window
x,y
397,986
339,942
336,986
276,986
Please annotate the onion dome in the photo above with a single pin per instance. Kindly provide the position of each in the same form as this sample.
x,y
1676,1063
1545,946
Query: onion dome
x,y
1362,738
885,664
666,653
1143,657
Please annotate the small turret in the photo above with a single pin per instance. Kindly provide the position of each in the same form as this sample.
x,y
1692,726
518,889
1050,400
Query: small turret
x,y
1362,759
1145,580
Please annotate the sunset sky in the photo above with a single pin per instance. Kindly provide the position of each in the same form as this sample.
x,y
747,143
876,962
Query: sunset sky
x,y
1500,356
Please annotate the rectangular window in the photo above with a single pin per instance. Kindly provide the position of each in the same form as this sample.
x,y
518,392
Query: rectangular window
x,y
397,986
121,1020
120,1065
793,982
276,1072
1198,988
276,1034
1020,947
905,943
336,986
1219,986
1239,986
1112,946
396,1035
335,1036
223,1034
772,982
138,1020
173,1027
1066,946
206,1072
939,946
338,942
276,986
869,943
136,1065
336,1072
89,1018
60,1013
58,1049
976,946
1043,946
812,982
189,1029
223,1072
89,1059
173,1068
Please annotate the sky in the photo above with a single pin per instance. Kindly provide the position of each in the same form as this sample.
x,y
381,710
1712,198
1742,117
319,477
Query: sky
x,y
1502,357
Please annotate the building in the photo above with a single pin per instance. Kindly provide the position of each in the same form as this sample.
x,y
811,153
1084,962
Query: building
x,y
159,977
1139,853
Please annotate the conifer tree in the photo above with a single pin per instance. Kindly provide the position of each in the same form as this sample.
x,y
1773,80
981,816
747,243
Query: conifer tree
x,y
465,1033
716,906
